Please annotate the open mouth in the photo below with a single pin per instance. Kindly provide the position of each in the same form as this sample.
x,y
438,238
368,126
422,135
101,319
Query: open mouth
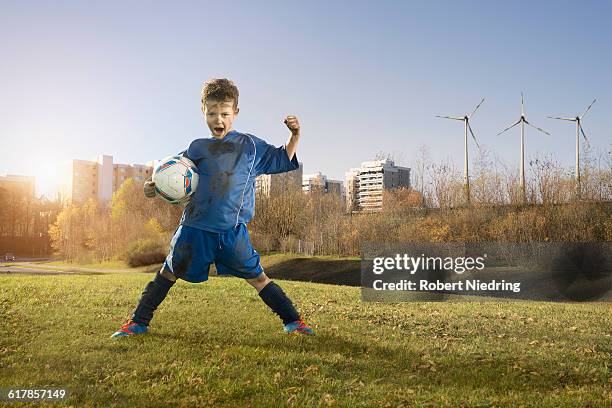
x,y
218,130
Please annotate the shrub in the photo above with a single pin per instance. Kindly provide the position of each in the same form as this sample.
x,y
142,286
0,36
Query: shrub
x,y
264,243
145,252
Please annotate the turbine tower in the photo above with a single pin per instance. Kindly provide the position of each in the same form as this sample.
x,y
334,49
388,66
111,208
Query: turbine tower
x,y
466,127
578,120
522,122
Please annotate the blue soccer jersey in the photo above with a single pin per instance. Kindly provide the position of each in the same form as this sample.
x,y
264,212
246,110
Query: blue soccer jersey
x,y
225,196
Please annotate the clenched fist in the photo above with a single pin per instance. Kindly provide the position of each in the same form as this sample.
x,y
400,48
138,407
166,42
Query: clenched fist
x,y
149,189
293,124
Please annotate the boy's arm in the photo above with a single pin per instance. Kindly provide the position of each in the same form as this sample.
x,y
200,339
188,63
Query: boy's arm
x,y
294,126
270,159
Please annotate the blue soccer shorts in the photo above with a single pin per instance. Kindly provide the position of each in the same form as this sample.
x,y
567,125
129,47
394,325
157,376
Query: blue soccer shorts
x,y
192,250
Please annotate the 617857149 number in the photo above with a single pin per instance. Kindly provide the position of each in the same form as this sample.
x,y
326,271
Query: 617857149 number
x,y
32,394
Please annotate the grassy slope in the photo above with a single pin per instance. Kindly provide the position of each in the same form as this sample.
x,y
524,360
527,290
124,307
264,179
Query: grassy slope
x,y
217,344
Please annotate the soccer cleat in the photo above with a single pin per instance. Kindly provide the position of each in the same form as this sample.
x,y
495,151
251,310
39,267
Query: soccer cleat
x,y
298,327
130,329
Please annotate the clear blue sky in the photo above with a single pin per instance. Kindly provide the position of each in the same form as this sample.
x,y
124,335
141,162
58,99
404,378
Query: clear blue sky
x,y
123,78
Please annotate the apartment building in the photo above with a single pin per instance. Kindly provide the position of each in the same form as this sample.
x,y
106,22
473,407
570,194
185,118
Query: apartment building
x,y
138,172
98,178
365,185
319,182
272,184
23,185
335,187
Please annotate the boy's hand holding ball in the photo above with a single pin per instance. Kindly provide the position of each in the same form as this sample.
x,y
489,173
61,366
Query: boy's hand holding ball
x,y
149,189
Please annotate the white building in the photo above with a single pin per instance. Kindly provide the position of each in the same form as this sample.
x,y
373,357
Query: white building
x,y
320,182
365,185
98,178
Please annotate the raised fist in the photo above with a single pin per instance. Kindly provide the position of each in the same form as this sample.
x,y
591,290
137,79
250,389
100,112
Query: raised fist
x,y
293,124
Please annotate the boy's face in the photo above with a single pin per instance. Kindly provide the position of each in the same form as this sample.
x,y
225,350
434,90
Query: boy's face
x,y
219,116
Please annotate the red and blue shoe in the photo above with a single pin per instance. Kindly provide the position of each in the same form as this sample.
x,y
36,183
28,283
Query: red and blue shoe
x,y
298,326
130,329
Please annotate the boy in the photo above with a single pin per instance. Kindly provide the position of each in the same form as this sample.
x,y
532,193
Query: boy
x,y
213,225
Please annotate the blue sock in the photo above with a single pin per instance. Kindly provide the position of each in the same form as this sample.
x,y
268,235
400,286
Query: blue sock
x,y
154,293
277,300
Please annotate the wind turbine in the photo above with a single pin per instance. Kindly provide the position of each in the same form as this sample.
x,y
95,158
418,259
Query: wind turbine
x,y
522,121
579,129
466,127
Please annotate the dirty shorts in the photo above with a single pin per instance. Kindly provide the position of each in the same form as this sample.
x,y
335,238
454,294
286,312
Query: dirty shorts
x,y
192,250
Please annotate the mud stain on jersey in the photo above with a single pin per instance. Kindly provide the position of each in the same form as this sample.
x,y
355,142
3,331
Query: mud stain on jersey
x,y
218,148
220,183
190,208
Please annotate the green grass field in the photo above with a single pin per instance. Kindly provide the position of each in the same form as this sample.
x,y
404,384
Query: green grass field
x,y
216,344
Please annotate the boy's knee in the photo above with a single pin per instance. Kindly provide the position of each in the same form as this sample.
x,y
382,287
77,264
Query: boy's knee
x,y
259,282
167,274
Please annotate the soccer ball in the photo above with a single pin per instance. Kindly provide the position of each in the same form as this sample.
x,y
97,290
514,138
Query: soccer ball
x,y
175,179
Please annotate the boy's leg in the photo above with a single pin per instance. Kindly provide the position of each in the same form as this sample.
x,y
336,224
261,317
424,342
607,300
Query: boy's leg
x,y
189,259
237,257
276,299
154,293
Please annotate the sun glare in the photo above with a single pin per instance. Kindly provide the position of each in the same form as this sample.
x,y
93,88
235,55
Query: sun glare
x,y
45,168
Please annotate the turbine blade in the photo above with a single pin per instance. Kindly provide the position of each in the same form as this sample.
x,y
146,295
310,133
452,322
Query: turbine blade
x,y
587,109
477,106
584,134
509,127
535,127
556,117
473,136
522,105
448,117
